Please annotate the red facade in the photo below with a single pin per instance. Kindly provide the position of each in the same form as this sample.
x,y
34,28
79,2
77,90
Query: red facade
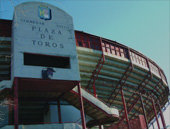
x,y
138,123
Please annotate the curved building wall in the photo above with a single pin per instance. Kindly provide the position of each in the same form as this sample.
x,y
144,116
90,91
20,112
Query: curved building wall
x,y
122,67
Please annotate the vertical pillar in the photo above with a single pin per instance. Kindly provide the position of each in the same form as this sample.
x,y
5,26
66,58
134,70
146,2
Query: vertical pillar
x,y
144,112
162,117
94,89
59,111
81,107
154,108
16,103
124,105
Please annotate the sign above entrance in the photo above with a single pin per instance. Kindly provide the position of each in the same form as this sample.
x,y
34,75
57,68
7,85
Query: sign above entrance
x,y
43,38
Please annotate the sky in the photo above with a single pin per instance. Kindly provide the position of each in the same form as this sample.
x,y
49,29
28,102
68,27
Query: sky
x,y
143,25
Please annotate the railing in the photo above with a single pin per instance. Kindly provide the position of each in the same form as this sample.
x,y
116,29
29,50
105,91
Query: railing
x,y
114,49
154,69
163,109
117,49
95,74
83,40
120,84
137,59
89,92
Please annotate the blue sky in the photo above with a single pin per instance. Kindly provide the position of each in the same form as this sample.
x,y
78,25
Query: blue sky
x,y
142,25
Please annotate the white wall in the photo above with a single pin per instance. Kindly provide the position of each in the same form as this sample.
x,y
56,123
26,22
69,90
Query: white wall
x,y
53,37
68,113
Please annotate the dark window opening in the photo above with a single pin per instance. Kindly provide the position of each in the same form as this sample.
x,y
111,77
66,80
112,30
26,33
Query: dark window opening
x,y
80,43
92,46
46,61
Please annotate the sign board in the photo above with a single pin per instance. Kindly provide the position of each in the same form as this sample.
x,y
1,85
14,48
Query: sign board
x,y
43,39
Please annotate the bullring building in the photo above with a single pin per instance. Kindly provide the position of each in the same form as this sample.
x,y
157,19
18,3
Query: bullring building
x,y
55,77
